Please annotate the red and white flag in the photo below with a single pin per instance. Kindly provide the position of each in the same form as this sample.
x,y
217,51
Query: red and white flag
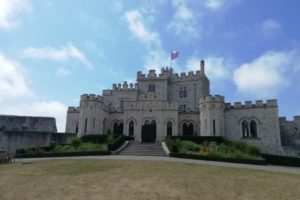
x,y
174,54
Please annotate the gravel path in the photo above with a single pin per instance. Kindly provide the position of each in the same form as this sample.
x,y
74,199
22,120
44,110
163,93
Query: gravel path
x,y
272,168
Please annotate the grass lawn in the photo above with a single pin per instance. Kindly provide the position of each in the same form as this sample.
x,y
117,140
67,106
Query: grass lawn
x,y
113,179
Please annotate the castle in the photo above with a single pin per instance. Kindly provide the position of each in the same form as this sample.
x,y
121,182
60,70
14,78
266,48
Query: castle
x,y
168,104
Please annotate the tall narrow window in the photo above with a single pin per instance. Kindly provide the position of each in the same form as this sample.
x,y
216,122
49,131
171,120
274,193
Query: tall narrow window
x,y
85,125
103,126
169,128
131,128
253,129
76,130
214,127
245,129
184,92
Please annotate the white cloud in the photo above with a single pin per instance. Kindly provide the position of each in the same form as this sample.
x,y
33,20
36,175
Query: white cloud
x,y
61,71
13,83
39,108
136,24
216,68
267,75
184,20
63,53
17,98
10,11
214,4
270,27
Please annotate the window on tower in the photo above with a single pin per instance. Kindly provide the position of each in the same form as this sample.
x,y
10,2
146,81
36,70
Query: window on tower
x,y
151,88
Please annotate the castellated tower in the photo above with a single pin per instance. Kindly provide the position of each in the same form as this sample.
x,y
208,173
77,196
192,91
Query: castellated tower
x,y
212,115
92,115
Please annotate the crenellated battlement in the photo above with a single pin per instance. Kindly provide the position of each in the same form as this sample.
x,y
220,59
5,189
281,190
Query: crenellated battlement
x,y
73,109
168,73
296,119
250,104
212,99
91,97
123,87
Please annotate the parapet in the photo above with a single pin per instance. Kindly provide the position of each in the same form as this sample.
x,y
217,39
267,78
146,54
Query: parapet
x,y
191,75
212,99
73,109
249,104
124,87
91,97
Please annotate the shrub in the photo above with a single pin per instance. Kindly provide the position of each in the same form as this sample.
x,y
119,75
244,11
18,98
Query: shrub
x,y
58,149
240,145
253,150
169,142
239,155
188,146
68,148
75,142
39,150
216,154
110,139
29,151
90,147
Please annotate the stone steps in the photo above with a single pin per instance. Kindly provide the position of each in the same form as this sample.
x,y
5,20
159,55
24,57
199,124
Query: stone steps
x,y
143,149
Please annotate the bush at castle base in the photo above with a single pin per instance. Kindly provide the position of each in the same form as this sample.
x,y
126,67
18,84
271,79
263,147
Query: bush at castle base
x,y
235,149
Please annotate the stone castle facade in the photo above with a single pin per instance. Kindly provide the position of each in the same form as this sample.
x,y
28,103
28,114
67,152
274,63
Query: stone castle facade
x,y
170,104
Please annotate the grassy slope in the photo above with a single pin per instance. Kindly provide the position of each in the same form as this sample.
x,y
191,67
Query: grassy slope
x,y
98,179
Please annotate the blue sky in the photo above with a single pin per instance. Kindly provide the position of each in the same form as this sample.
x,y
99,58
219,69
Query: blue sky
x,y
53,51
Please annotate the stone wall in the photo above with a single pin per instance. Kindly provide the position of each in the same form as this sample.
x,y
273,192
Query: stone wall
x,y
290,135
266,116
13,140
26,123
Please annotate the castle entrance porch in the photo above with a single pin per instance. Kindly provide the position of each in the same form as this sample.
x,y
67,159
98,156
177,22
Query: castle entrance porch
x,y
188,129
149,131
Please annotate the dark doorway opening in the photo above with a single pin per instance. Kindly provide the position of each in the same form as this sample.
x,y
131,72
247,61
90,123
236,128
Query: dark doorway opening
x,y
188,130
169,128
149,132
118,128
131,128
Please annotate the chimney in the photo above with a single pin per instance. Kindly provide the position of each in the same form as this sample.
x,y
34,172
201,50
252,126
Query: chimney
x,y
202,66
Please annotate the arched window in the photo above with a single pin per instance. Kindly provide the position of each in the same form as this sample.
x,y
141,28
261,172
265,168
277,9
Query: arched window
x,y
146,122
121,127
169,128
131,128
245,129
153,122
116,127
253,129
214,126
76,129
103,126
85,125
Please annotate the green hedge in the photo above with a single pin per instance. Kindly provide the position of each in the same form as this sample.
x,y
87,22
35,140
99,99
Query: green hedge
x,y
282,160
216,158
65,154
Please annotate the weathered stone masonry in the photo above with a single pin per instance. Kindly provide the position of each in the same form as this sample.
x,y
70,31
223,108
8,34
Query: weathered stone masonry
x,y
172,104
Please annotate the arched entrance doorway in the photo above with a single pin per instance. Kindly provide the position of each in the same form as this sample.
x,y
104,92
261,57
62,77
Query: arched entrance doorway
x,y
118,128
149,131
188,129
